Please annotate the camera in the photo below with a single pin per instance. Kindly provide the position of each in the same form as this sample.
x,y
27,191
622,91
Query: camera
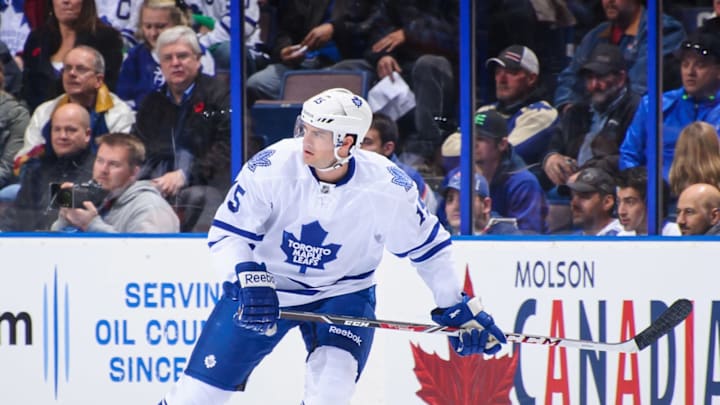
x,y
73,197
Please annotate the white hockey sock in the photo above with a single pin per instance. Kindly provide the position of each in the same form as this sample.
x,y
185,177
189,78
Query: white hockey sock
x,y
330,377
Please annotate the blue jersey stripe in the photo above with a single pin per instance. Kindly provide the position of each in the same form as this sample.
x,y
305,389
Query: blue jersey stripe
x,y
300,292
227,227
432,251
359,276
430,238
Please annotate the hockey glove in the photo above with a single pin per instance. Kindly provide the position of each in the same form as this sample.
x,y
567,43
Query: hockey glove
x,y
481,335
259,308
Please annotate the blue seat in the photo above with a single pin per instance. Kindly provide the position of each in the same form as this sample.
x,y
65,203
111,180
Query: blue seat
x,y
273,120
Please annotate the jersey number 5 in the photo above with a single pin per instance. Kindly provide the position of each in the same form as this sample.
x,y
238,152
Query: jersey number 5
x,y
234,203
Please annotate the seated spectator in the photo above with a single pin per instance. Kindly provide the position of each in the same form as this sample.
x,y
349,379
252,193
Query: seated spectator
x,y
14,120
515,192
485,221
594,128
140,72
72,162
530,118
130,205
592,203
84,83
697,157
418,40
698,210
12,70
311,38
632,204
697,100
382,137
626,27
69,24
186,131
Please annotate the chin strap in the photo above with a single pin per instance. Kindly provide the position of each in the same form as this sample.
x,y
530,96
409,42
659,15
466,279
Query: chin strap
x,y
339,161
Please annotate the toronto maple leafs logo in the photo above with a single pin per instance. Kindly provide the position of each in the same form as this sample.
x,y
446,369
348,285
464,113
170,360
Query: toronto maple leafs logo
x,y
261,158
309,251
400,177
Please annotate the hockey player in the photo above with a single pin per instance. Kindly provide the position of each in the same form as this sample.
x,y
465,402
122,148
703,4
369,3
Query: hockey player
x,y
282,238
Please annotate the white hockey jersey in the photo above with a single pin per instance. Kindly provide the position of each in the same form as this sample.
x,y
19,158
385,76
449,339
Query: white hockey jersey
x,y
322,240
123,15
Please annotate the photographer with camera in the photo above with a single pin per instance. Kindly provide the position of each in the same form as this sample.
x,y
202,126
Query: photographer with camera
x,y
114,201
72,162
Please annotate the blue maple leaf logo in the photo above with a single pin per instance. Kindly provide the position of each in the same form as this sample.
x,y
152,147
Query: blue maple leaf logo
x,y
309,251
400,177
261,158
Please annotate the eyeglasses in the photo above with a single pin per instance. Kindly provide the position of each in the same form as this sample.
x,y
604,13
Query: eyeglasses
x,y
79,69
696,47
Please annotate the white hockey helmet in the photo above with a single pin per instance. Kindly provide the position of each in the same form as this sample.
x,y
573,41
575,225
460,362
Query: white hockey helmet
x,y
341,112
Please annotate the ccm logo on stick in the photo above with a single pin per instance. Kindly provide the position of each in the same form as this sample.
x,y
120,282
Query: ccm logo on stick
x,y
357,323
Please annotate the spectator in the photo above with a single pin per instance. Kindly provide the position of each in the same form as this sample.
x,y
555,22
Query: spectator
x,y
382,137
15,26
12,70
593,129
530,118
131,205
697,100
419,41
186,130
626,27
84,84
485,221
592,203
514,191
632,204
71,162
69,24
121,15
14,119
698,210
140,72
311,38
697,157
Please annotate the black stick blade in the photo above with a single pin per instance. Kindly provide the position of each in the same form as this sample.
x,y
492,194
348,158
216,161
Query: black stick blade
x,y
669,319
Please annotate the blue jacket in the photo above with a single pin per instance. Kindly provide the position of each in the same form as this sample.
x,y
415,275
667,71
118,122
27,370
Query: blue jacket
x,y
678,111
633,43
516,193
139,75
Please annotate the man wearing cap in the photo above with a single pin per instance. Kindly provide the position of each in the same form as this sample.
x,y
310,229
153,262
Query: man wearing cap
x,y
593,199
697,100
626,27
485,221
519,101
515,192
594,128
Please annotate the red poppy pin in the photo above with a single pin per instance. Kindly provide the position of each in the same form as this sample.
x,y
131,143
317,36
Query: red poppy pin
x,y
36,52
199,107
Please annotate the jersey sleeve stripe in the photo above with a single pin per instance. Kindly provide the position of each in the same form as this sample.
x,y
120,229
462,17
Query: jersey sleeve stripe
x,y
214,242
299,292
430,238
227,227
430,253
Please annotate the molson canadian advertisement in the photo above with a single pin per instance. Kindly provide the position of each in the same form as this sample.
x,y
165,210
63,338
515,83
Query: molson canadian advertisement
x,y
114,320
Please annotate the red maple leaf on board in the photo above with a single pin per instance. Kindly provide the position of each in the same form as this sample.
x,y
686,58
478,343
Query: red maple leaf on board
x,y
463,380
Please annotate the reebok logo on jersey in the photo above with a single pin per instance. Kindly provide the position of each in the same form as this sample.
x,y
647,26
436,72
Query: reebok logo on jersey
x,y
346,333
309,251
256,279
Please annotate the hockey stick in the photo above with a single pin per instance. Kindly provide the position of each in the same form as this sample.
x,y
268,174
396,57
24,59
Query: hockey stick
x,y
677,313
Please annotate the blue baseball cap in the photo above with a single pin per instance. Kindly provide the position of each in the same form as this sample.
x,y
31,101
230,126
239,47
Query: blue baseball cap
x,y
480,185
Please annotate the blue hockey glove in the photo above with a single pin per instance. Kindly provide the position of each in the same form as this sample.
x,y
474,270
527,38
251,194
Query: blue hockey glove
x,y
259,308
481,335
